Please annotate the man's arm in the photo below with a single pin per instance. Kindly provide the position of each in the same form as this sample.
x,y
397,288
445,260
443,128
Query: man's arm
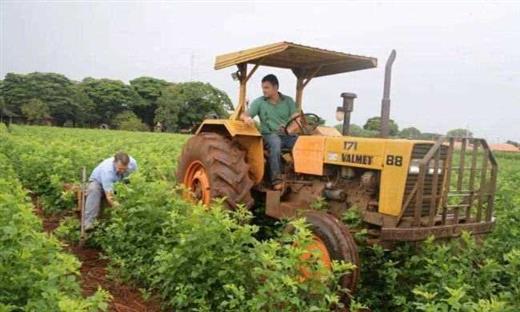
x,y
247,116
293,128
292,108
107,184
111,200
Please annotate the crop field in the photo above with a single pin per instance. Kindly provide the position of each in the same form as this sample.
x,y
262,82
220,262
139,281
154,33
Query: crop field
x,y
191,258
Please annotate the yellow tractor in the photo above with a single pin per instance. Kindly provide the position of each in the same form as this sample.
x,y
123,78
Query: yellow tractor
x,y
404,190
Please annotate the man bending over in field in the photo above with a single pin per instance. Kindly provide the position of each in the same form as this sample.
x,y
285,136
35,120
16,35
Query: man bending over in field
x,y
101,183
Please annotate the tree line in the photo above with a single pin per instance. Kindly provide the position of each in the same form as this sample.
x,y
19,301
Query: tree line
x,y
142,104
51,98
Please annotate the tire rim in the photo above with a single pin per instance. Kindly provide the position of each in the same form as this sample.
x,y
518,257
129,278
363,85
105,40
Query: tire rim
x,y
317,246
196,181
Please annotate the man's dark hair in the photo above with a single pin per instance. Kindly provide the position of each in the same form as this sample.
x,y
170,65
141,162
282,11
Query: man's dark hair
x,y
122,157
272,79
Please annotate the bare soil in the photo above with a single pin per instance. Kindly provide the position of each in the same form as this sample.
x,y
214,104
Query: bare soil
x,y
125,298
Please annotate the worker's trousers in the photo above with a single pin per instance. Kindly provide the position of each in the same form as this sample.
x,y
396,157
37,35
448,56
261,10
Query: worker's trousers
x,y
274,143
95,195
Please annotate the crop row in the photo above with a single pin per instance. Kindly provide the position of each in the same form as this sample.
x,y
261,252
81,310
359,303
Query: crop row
x,y
200,259
36,274
194,258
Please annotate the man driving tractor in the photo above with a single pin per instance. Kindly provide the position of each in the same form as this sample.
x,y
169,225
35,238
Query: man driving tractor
x,y
274,110
402,190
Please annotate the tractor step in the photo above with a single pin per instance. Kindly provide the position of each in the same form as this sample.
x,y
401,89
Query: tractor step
x,y
272,203
276,208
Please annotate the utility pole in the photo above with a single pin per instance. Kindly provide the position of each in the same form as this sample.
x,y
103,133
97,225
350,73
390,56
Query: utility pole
x,y
192,65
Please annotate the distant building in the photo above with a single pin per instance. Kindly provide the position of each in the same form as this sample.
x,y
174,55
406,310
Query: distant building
x,y
504,147
501,147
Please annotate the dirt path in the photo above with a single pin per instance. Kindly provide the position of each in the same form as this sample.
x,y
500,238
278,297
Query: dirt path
x,y
94,274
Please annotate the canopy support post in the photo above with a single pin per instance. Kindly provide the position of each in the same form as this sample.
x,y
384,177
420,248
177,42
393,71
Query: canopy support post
x,y
243,77
299,92
302,79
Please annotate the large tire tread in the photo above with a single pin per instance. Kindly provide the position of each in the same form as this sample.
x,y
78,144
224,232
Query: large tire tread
x,y
340,243
226,166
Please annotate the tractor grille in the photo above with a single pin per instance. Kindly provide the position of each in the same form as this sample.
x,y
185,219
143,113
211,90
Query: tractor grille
x,y
418,152
443,203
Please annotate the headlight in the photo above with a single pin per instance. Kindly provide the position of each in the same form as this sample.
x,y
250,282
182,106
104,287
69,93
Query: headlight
x,y
414,167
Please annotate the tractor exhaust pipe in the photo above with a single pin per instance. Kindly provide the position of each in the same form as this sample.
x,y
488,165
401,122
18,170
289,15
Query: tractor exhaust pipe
x,y
346,109
385,102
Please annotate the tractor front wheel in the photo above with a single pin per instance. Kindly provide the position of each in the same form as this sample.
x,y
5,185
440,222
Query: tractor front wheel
x,y
211,166
334,242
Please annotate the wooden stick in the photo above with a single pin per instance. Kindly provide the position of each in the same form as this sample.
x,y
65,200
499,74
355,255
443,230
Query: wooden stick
x,y
82,235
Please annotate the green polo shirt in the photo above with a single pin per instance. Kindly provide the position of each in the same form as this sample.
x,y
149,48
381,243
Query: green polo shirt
x,y
272,116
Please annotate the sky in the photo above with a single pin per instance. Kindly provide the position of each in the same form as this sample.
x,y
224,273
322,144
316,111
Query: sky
x,y
457,66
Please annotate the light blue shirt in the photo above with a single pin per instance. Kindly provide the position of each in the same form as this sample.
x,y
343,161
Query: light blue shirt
x,y
106,174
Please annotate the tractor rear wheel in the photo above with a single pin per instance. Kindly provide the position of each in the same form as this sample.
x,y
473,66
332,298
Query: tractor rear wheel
x,y
212,166
334,241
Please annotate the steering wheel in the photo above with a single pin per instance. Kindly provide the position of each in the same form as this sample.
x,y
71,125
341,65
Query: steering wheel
x,y
307,123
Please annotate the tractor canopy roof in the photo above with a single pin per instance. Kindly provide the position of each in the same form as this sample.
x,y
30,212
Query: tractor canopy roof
x,y
301,59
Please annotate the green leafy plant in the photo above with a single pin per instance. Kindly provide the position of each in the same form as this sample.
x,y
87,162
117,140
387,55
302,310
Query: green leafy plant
x,y
210,259
68,230
35,273
201,258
